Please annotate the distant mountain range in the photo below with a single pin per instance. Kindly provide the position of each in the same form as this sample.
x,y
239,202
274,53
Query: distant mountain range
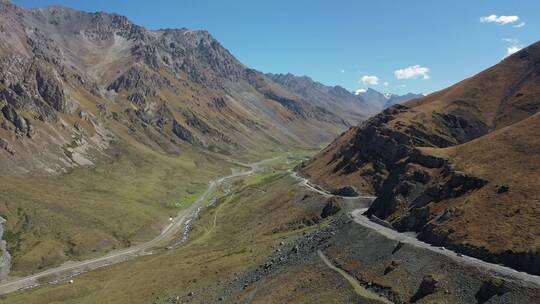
x,y
385,100
371,101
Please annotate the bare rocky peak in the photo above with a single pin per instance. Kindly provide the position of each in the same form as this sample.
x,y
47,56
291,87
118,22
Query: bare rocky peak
x,y
349,106
93,42
195,52
301,84
306,87
7,5
341,92
95,26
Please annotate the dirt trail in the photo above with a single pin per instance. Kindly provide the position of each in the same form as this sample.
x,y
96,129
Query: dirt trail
x,y
359,289
406,238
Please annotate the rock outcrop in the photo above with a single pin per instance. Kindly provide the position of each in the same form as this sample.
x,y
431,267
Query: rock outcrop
x,y
415,182
489,289
427,286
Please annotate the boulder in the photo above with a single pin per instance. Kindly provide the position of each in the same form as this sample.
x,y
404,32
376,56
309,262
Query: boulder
x,y
348,191
503,189
489,289
331,208
427,286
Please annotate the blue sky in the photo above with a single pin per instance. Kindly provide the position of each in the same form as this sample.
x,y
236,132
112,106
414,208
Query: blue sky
x,y
428,44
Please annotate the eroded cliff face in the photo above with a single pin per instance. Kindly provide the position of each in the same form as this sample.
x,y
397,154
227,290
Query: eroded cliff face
x,y
30,85
415,182
366,155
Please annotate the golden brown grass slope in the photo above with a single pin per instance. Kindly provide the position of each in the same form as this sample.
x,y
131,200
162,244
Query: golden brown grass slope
x,y
502,217
499,96
479,195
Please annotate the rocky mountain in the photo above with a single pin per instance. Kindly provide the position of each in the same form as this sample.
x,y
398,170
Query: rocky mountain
x,y
381,101
73,84
393,99
349,106
459,167
352,107
373,97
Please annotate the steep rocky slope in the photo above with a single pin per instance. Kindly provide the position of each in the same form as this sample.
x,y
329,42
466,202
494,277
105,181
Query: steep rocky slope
x,y
72,83
461,196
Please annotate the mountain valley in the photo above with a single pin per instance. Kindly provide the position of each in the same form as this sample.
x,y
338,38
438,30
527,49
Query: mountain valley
x,y
152,166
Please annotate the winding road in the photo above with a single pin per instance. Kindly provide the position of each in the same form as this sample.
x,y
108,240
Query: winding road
x,y
306,183
359,218
71,268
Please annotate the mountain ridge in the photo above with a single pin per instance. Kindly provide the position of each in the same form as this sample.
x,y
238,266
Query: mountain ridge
x,y
372,101
385,100
403,155
169,86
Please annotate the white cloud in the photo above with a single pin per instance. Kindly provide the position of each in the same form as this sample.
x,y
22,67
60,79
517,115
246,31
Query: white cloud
x,y
412,72
522,24
502,20
359,91
370,80
511,50
342,71
386,84
515,46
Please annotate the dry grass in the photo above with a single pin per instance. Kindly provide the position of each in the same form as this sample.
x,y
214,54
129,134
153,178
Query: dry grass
x,y
232,237
511,157
89,211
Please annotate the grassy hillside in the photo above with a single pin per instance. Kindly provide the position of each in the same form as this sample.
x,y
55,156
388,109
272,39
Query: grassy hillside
x,y
88,211
254,223
509,204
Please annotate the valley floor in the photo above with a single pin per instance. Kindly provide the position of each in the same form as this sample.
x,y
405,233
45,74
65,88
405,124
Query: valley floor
x,y
87,212
262,242
174,228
